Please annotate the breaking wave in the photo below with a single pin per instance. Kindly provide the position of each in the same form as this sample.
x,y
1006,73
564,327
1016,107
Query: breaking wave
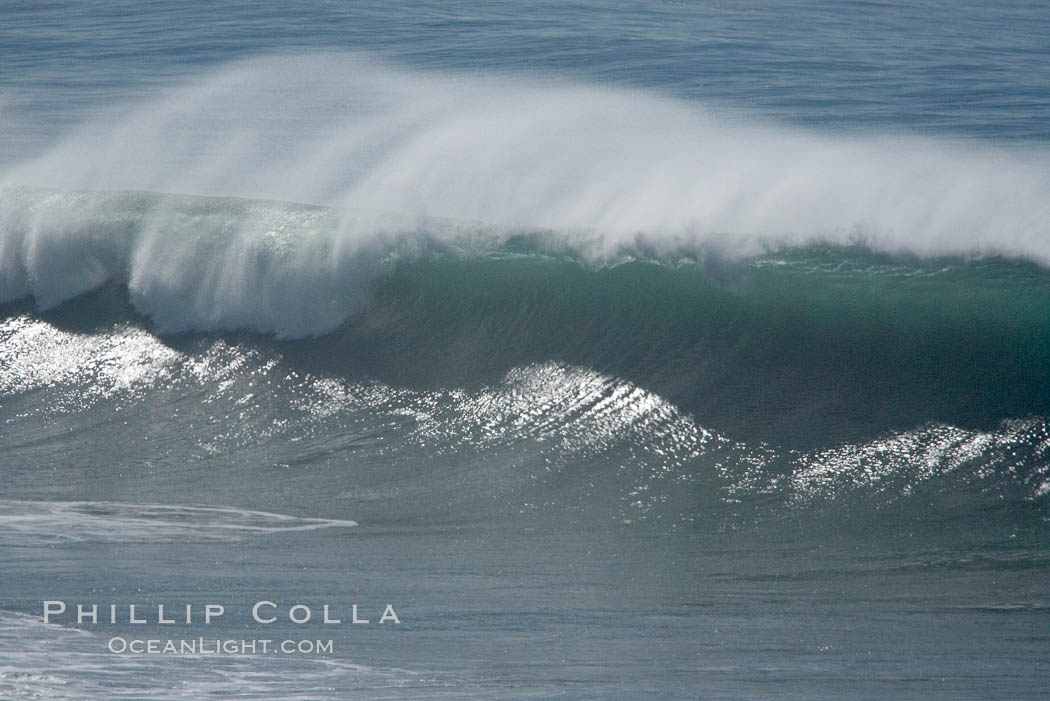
x,y
523,280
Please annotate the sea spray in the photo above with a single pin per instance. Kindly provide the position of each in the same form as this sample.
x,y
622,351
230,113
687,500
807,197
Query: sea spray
x,y
602,167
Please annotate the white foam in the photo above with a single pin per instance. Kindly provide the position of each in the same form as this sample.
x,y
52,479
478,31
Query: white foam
x,y
45,661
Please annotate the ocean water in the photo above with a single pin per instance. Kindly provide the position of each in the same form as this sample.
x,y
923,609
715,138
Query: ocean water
x,y
623,350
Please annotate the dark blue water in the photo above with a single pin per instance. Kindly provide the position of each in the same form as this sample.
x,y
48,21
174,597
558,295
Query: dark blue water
x,y
628,351
935,67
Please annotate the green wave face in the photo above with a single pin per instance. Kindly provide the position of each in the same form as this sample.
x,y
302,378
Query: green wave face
x,y
669,386
799,345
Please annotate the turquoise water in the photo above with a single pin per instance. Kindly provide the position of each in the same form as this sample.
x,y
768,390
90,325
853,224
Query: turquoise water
x,y
628,352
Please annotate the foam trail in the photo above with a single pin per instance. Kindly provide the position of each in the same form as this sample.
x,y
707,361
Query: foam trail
x,y
602,169
98,521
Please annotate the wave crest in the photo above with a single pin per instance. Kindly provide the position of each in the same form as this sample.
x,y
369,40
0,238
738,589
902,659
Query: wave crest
x,y
602,171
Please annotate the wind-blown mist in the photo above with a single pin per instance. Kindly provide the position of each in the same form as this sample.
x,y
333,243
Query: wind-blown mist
x,y
601,171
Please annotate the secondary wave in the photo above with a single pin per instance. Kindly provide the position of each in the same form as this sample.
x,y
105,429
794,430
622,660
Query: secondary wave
x,y
206,414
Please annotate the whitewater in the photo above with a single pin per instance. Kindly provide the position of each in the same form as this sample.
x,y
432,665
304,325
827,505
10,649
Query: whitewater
x,y
412,159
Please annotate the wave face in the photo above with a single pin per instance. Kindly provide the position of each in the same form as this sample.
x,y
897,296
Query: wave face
x,y
843,338
816,376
